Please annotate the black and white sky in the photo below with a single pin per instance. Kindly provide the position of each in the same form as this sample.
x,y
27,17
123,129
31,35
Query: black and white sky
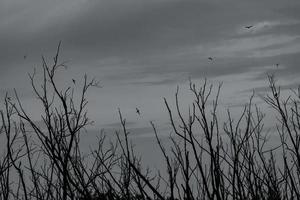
x,y
140,50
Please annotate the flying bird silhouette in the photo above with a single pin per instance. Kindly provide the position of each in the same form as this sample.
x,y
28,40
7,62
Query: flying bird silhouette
x,y
138,111
248,27
25,56
277,65
210,58
73,80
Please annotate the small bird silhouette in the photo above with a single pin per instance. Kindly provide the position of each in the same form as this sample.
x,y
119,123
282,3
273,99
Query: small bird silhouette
x,y
210,58
74,81
277,65
25,56
248,27
138,111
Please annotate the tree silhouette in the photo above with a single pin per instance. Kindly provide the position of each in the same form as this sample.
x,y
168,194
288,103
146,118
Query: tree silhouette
x,y
208,159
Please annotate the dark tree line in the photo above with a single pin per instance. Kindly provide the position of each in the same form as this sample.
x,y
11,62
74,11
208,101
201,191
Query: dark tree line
x,y
208,159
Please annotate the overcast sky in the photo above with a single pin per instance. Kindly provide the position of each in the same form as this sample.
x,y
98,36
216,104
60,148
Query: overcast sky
x,y
140,50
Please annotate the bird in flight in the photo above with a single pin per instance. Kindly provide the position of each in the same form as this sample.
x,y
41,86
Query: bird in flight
x,y
138,111
248,27
210,58
25,56
277,65
74,81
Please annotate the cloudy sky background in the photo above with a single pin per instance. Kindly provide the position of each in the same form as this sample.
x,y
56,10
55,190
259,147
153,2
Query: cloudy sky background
x,y
140,50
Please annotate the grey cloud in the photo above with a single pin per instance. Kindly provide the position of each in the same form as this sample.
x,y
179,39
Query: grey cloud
x,y
124,27
133,131
152,28
296,40
199,67
202,67
143,35
118,124
265,89
159,82
143,42
289,67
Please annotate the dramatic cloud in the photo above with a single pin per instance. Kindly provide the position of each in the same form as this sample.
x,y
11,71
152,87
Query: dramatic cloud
x,y
138,47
